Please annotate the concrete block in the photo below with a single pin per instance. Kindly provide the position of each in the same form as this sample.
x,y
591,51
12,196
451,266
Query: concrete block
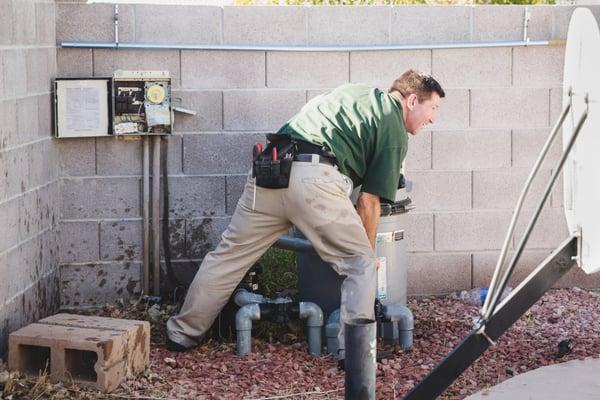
x,y
538,66
470,230
27,119
106,62
175,154
197,197
235,188
24,28
300,70
260,110
8,123
93,22
100,198
184,270
1,76
472,67
485,263
29,209
493,23
438,273
509,108
138,335
441,190
24,266
454,111
330,25
576,277
95,284
223,69
494,189
209,107
42,157
15,72
181,24
381,68
556,105
121,240
115,156
45,23
79,241
419,152
221,153
471,150
38,78
74,63
9,213
549,231
444,24
6,22
246,25
557,197
92,357
311,94
419,231
177,239
527,144
16,171
45,118
203,235
77,157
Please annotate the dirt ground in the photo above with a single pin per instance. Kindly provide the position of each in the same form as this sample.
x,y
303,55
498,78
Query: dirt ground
x,y
285,371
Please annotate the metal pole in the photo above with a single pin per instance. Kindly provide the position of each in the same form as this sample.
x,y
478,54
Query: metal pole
x,y
207,47
156,215
146,214
513,222
360,363
496,295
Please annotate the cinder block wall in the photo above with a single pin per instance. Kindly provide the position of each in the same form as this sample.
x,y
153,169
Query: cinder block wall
x,y
29,185
467,171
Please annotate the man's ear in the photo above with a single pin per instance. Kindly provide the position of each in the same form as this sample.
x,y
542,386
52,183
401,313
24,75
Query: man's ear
x,y
411,101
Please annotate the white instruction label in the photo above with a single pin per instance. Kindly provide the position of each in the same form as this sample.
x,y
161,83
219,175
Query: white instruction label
x,y
384,237
382,278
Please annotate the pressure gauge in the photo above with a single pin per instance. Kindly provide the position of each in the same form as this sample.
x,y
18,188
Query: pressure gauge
x,y
155,94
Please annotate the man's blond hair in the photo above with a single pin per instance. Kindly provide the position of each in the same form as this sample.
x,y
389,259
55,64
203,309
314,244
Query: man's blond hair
x,y
415,82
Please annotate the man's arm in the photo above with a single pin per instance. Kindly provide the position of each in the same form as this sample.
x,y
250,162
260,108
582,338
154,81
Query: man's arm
x,y
369,210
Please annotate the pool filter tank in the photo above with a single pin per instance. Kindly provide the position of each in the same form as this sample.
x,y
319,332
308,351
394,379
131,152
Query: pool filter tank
x,y
320,284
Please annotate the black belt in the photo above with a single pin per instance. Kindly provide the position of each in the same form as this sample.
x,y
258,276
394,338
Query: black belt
x,y
309,157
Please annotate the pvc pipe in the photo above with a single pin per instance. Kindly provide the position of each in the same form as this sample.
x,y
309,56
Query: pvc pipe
x,y
242,297
406,323
243,326
360,365
314,324
332,330
295,244
205,47
156,215
146,215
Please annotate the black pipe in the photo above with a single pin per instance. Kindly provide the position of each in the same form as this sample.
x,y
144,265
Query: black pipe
x,y
295,244
360,365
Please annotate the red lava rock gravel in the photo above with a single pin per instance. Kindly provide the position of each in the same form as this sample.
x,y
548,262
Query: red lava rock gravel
x,y
278,371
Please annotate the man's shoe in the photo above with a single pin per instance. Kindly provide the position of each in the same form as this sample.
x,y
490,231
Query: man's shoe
x,y
174,346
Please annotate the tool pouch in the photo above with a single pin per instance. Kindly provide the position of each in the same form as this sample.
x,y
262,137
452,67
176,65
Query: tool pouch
x,y
272,166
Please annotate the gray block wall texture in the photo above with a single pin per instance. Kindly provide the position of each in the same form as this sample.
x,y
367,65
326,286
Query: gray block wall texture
x,y
29,171
467,170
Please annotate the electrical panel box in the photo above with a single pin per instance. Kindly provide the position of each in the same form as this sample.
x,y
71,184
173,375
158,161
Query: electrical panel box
x,y
129,103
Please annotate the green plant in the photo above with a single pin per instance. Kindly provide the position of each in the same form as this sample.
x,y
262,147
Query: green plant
x,y
279,271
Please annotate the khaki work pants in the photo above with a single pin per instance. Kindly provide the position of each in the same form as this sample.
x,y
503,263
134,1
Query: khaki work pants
x,y
317,203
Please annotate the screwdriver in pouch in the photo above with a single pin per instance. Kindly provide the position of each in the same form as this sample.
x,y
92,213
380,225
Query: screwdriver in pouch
x,y
256,151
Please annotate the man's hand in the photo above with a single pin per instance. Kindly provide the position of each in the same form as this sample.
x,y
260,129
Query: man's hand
x,y
369,209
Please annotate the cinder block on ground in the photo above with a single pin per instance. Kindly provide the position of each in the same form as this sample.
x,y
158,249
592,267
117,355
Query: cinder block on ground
x,y
93,352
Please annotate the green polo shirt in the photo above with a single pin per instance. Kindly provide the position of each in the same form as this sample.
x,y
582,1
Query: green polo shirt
x,y
364,128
